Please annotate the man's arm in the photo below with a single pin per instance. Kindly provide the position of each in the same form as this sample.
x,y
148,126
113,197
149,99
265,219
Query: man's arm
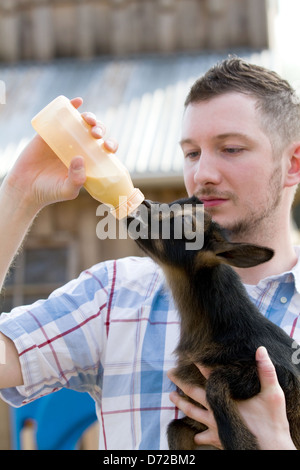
x,y
264,414
21,198
37,179
10,368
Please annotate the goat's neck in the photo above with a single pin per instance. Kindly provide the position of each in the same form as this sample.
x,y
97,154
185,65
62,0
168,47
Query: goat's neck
x,y
207,301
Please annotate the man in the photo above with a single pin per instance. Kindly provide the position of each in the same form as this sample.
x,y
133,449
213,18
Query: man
x,y
112,332
241,158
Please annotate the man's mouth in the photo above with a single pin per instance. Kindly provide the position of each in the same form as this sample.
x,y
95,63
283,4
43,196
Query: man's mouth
x,y
212,201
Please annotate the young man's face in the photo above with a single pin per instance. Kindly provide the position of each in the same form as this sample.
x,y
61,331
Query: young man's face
x,y
228,162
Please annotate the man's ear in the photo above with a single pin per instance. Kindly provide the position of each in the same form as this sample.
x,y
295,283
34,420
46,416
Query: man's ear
x,y
292,176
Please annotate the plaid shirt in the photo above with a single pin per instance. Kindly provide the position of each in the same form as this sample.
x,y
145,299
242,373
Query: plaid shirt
x,y
112,333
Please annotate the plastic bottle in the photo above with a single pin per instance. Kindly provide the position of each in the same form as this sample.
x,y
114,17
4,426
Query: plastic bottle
x,y
62,127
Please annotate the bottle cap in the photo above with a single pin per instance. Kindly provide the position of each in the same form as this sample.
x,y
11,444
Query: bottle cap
x,y
128,204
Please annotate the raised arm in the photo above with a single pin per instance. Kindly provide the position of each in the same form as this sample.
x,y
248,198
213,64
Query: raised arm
x,y
37,179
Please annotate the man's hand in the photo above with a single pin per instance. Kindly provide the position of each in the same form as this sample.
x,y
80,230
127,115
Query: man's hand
x,y
264,414
202,415
39,177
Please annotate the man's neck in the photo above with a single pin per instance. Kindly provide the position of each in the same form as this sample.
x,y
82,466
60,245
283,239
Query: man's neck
x,y
284,259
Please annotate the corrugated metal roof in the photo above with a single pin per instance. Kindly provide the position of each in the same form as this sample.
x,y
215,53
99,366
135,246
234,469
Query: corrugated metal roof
x,y
140,99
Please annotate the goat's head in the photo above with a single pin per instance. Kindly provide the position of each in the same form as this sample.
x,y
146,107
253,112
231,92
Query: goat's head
x,y
183,234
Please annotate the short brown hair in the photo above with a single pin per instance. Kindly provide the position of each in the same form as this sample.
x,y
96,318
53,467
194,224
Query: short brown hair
x,y
276,100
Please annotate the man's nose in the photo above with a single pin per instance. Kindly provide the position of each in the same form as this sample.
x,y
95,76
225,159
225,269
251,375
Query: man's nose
x,y
207,170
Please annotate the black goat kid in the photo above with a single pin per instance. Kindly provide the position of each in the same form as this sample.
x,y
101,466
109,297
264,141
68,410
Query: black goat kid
x,y
220,326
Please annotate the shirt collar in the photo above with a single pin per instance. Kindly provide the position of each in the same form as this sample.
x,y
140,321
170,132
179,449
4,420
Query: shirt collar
x,y
296,269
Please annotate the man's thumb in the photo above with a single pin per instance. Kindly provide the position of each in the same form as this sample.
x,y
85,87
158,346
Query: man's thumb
x,y
266,370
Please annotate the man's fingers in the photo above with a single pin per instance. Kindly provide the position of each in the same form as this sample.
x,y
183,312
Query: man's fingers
x,y
197,413
196,393
76,102
210,436
76,177
207,438
205,371
189,409
111,145
266,370
90,118
98,129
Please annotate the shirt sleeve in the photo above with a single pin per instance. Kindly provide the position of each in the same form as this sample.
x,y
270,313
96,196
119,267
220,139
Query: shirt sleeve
x,y
60,340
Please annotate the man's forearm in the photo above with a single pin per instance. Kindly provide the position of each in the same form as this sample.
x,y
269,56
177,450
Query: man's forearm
x,y
15,221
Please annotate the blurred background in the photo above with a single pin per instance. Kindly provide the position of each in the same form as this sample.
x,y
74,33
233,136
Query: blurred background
x,y
133,62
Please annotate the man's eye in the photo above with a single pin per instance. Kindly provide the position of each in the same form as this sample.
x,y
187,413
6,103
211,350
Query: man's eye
x,y
192,155
233,150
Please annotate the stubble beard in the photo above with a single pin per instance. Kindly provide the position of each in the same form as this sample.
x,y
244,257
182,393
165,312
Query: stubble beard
x,y
257,219
260,219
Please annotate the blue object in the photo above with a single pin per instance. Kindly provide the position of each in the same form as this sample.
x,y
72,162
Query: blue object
x,y
61,418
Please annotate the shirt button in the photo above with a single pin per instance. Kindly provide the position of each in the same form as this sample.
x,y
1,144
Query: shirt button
x,y
283,300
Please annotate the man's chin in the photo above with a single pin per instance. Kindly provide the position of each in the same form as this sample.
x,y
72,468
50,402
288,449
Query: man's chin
x,y
219,217
234,228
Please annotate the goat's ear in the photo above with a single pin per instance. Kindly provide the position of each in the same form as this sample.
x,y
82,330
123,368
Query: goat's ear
x,y
243,255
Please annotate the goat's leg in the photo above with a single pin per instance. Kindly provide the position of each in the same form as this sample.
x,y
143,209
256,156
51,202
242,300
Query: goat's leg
x,y
292,398
233,433
181,433
294,422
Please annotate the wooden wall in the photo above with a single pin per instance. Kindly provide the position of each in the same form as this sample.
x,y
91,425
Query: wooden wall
x,y
45,29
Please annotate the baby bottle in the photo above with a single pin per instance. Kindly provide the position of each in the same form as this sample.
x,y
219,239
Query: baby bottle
x,y
62,127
